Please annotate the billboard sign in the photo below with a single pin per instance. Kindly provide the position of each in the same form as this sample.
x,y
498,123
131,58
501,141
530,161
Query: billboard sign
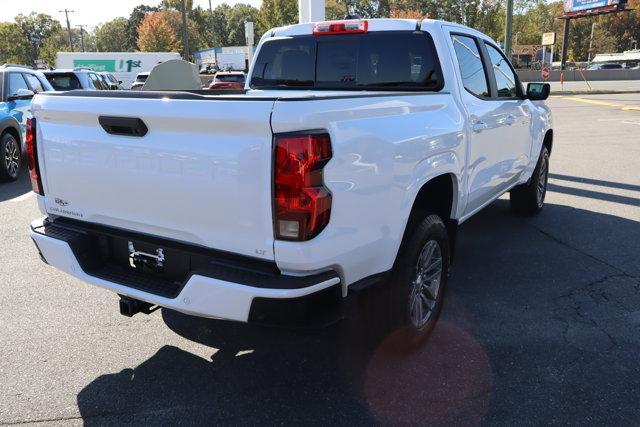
x,y
573,6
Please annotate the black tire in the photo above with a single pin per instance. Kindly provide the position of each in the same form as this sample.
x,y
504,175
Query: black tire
x,y
528,199
429,233
10,158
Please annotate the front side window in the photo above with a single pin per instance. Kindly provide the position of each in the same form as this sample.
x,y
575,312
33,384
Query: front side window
x,y
472,71
396,60
16,81
505,77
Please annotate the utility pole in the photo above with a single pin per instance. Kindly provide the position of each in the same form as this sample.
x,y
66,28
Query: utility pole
x,y
211,23
185,33
81,35
593,27
66,14
565,43
507,29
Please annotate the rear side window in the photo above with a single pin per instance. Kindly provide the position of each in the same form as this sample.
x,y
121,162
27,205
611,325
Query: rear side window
x,y
398,60
45,83
64,81
472,71
35,84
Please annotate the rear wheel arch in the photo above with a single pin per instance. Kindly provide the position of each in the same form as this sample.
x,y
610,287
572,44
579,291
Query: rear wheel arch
x,y
439,195
12,127
13,132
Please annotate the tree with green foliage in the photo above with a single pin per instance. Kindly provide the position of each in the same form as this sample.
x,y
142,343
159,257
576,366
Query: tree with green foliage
x,y
276,13
37,28
112,36
236,17
14,46
219,25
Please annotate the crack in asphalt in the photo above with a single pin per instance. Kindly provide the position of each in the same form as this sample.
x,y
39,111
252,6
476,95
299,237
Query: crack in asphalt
x,y
592,290
581,252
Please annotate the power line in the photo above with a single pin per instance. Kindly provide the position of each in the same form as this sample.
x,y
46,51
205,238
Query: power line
x,y
66,14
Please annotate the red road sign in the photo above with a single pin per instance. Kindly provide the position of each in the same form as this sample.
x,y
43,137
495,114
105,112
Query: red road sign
x,y
545,73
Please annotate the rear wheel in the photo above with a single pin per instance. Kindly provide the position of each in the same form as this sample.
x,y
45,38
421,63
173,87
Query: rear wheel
x,y
420,278
528,198
10,158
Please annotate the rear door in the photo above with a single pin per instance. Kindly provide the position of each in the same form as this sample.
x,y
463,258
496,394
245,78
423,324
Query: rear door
x,y
201,174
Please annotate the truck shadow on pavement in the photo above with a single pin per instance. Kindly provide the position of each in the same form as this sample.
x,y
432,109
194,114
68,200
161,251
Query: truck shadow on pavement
x,y
541,322
21,186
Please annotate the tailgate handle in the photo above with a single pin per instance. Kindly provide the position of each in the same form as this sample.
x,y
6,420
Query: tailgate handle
x,y
126,126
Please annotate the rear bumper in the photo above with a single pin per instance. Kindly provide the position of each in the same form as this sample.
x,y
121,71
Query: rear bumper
x,y
222,288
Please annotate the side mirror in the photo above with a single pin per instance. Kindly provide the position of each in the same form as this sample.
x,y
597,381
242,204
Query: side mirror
x,y
119,81
21,94
538,91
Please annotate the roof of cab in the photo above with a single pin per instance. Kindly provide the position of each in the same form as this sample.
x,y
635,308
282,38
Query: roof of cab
x,y
378,24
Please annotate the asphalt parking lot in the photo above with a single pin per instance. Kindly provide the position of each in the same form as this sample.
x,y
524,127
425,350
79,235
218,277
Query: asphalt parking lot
x,y
541,324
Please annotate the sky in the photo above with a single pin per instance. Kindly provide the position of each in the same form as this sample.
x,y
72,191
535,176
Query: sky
x,y
89,12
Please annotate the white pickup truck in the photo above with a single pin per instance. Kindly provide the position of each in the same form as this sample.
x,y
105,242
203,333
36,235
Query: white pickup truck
x,y
349,160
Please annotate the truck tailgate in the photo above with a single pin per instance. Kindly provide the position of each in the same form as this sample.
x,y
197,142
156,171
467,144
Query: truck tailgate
x,y
201,174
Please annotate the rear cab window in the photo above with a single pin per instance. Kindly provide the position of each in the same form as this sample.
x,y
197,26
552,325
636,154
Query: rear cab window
x,y
383,60
64,81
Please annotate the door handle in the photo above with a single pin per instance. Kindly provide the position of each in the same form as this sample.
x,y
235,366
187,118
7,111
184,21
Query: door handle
x,y
478,126
127,126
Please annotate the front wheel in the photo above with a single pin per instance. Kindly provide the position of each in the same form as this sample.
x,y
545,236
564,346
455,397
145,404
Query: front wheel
x,y
528,198
10,158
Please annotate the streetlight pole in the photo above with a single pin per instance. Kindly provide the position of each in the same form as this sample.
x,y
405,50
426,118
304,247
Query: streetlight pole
x,y
185,33
66,14
507,29
81,35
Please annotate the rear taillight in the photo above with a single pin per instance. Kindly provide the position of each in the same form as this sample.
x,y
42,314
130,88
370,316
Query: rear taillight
x,y
302,203
32,156
351,26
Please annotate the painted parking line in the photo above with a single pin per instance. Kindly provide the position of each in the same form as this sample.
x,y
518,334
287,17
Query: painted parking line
x,y
624,107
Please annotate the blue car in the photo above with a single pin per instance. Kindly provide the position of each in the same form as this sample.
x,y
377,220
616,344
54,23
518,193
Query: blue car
x,y
19,84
